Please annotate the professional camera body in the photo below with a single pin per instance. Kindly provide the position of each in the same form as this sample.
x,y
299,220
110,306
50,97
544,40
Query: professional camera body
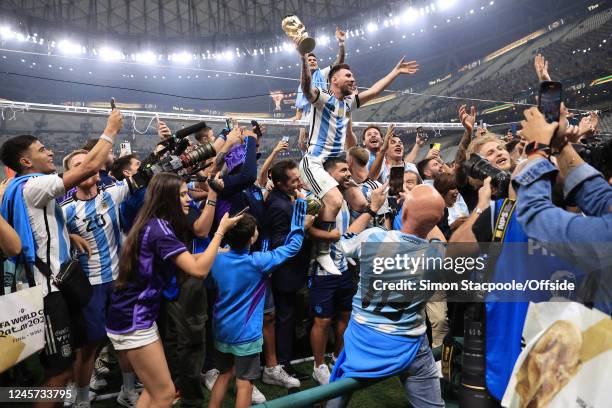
x,y
480,168
175,157
597,151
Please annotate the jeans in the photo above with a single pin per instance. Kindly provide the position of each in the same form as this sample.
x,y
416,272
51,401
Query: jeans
x,y
420,381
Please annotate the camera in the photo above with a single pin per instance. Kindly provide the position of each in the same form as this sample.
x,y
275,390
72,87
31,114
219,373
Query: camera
x,y
174,157
480,168
597,151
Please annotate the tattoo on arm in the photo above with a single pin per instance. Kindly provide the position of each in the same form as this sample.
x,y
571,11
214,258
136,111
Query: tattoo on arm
x,y
341,54
307,80
460,157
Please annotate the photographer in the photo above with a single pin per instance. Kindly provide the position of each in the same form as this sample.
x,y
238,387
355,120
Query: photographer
x,y
571,235
37,218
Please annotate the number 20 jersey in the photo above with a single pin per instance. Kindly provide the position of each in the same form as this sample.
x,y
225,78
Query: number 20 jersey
x,y
97,221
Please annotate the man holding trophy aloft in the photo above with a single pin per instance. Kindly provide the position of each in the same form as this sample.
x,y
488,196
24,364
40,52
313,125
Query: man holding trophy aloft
x,y
329,121
295,29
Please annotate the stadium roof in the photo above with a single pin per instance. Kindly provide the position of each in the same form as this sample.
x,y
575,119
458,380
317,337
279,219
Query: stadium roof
x,y
179,18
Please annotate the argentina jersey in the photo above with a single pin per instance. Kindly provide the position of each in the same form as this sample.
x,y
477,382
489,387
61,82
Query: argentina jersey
x,y
366,189
97,221
383,176
388,311
328,124
342,224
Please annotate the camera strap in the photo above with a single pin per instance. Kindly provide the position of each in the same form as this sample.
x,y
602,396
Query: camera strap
x,y
501,225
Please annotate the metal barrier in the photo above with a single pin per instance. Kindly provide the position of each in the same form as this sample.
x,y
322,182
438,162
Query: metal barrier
x,y
324,392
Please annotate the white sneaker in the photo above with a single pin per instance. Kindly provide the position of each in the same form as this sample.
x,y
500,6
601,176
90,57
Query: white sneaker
x,y
100,368
97,383
278,376
127,398
70,390
257,397
209,378
321,374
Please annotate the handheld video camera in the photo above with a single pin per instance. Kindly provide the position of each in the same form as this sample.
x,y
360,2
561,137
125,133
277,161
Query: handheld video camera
x,y
174,158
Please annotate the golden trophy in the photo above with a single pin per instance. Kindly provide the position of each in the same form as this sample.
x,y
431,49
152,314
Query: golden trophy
x,y
293,27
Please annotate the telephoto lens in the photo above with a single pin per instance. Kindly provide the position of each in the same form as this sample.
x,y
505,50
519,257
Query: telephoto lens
x,y
480,168
200,154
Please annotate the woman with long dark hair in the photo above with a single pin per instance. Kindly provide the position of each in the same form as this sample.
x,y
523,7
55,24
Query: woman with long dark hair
x,y
152,251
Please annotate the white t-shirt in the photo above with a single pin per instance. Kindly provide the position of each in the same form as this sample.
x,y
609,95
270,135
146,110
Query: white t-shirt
x,y
39,194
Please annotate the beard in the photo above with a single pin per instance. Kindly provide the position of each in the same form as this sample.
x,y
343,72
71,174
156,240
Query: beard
x,y
346,90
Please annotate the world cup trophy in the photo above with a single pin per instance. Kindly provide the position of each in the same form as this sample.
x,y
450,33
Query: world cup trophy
x,y
293,27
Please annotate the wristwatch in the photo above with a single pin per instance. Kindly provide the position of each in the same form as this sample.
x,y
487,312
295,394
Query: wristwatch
x,y
478,211
369,210
211,202
537,147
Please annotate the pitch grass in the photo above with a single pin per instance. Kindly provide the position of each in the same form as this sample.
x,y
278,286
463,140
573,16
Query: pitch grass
x,y
385,394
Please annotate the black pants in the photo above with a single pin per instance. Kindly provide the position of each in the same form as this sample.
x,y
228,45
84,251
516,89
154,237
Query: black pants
x,y
182,323
286,310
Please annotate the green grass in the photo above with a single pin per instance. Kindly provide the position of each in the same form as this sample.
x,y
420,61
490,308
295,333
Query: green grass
x,y
385,394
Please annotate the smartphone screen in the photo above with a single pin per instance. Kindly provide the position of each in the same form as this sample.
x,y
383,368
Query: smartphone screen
x,y
285,138
112,103
228,124
549,100
396,180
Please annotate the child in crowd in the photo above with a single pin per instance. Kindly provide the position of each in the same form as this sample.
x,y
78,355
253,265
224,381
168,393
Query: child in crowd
x,y
240,278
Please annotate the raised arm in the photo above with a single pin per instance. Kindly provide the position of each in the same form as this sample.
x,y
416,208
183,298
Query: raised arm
x,y
380,155
406,68
378,198
414,152
351,139
341,37
467,120
541,68
262,180
306,81
96,158
201,226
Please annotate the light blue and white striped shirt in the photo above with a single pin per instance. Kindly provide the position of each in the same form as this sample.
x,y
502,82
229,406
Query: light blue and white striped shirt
x,y
97,221
342,224
328,124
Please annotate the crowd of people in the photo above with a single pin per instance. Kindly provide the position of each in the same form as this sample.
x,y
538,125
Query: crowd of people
x,y
194,280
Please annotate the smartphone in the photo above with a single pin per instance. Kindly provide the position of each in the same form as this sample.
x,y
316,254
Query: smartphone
x,y
228,124
436,146
396,180
549,100
245,209
126,148
256,128
422,134
285,139
112,101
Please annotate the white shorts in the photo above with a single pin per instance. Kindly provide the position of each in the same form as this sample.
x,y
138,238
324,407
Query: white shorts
x,y
315,178
135,339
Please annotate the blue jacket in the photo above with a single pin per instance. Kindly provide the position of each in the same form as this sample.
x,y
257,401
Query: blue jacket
x,y
584,240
